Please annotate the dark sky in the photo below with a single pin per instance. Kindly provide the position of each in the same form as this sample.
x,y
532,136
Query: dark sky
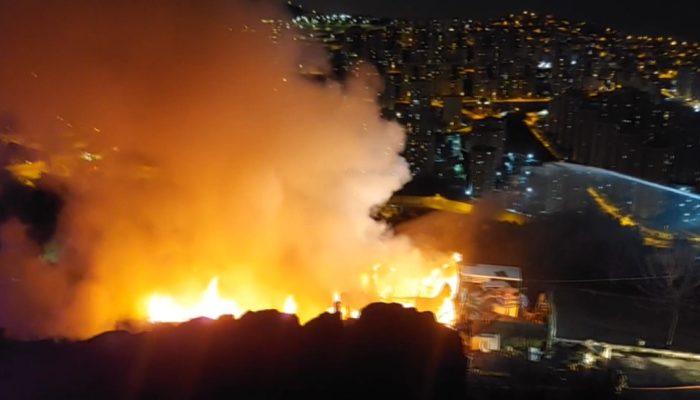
x,y
675,17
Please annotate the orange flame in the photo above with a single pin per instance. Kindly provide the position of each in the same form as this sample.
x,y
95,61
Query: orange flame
x,y
166,309
290,305
447,314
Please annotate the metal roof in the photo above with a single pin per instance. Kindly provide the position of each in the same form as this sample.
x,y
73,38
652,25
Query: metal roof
x,y
487,271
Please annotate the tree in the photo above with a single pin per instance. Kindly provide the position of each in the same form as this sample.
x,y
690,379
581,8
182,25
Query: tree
x,y
673,276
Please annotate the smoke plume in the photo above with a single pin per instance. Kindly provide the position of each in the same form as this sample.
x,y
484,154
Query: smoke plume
x,y
186,146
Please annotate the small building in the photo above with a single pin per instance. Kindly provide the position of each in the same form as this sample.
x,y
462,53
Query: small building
x,y
491,311
488,292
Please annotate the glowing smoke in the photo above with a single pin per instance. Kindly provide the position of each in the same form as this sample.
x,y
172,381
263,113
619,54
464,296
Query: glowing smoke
x,y
186,146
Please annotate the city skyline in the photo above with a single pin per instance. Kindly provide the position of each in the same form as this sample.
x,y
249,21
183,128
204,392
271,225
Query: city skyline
x,y
452,85
251,199
638,17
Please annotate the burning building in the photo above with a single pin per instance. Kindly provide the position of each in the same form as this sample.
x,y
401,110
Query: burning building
x,y
488,292
200,172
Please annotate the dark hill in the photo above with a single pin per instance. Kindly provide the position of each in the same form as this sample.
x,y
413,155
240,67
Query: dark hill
x,y
390,352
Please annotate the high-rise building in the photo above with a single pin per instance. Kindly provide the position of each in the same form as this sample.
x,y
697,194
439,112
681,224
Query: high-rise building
x,y
484,145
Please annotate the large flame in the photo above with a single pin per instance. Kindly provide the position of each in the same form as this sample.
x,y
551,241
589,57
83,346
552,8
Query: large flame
x,y
290,305
211,305
201,173
165,308
447,314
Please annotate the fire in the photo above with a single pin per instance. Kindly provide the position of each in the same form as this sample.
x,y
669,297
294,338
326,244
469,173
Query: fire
x,y
166,309
157,200
392,284
339,307
384,284
162,308
447,314
290,305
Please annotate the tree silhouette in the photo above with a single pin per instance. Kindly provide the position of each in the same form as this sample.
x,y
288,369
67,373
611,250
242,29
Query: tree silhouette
x,y
673,277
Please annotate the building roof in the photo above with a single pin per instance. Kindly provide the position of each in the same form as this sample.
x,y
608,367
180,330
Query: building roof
x,y
487,271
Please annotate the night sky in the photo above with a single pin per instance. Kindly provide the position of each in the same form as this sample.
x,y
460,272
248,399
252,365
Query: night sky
x,y
674,17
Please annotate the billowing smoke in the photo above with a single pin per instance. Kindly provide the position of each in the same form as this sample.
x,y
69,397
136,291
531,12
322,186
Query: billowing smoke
x,y
185,145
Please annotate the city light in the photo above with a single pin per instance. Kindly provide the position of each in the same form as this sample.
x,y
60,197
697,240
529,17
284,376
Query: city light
x,y
200,197
544,65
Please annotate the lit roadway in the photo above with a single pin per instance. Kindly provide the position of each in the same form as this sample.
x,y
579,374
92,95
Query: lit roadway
x,y
487,101
531,123
435,202
652,237
515,100
439,203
